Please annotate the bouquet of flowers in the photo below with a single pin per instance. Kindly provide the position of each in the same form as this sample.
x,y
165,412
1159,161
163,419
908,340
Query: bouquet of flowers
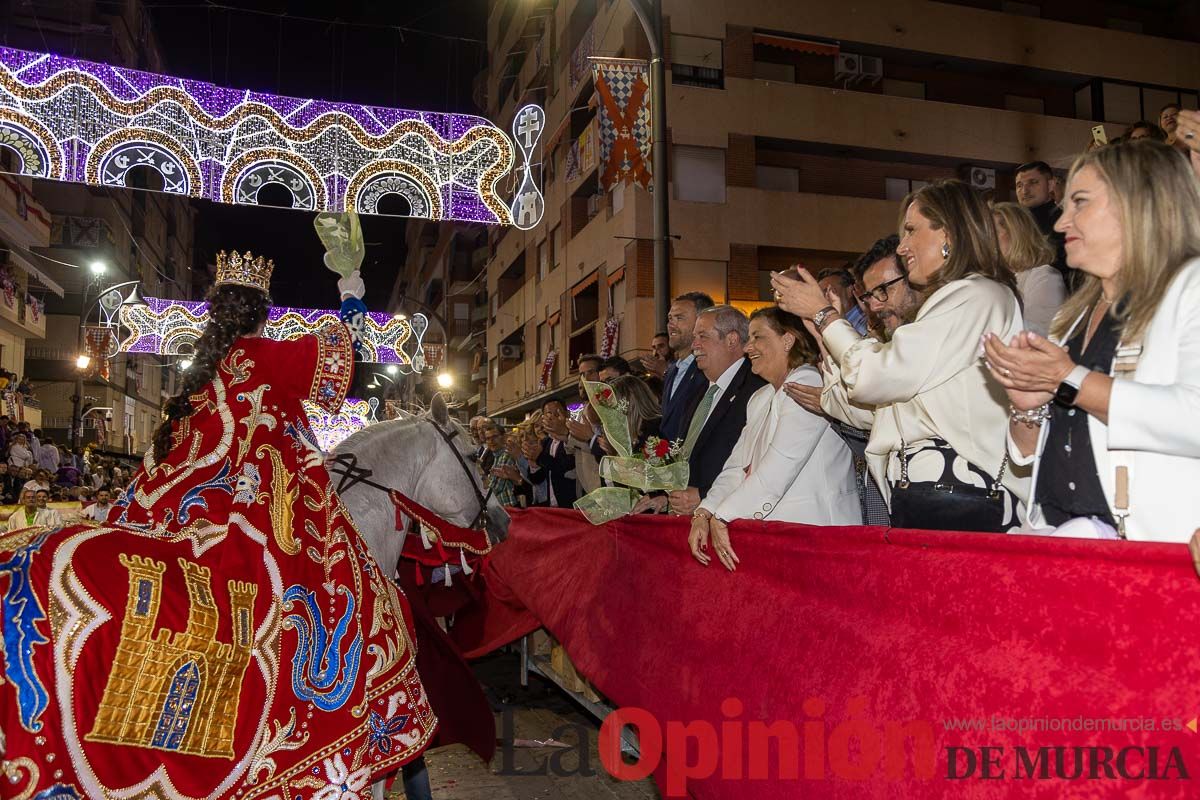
x,y
657,466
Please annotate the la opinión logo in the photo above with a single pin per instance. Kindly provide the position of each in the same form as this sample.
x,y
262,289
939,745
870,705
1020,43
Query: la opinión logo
x,y
740,749
1066,763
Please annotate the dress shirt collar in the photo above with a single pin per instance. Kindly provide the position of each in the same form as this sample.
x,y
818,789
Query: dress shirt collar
x,y
726,377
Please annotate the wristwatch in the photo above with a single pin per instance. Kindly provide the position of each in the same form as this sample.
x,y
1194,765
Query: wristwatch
x,y
1068,390
824,314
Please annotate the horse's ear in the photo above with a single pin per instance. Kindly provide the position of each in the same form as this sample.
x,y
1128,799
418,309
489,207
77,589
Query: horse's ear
x,y
438,410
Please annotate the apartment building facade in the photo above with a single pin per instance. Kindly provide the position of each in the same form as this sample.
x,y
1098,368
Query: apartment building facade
x,y
794,130
442,278
25,224
136,233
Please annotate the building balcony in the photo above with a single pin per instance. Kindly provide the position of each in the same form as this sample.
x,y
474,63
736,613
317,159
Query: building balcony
x,y
513,312
960,31
22,218
512,386
872,121
780,219
20,314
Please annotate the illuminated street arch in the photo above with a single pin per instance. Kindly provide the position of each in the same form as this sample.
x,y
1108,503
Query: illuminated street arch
x,y
225,144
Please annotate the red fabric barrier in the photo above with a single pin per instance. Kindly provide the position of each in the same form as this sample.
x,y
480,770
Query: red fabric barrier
x,y
862,638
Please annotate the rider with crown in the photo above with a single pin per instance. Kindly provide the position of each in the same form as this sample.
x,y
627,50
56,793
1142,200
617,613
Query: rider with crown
x,y
226,633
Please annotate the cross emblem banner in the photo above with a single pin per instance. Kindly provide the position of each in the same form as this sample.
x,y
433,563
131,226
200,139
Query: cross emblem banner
x,y
625,148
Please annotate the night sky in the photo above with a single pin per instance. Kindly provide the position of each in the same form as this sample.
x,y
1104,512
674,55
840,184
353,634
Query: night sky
x,y
316,59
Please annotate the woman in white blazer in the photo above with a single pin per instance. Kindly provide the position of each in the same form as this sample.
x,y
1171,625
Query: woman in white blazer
x,y
1111,419
938,421
788,464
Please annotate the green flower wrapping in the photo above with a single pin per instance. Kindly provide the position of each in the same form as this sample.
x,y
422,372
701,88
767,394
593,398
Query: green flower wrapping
x,y
635,473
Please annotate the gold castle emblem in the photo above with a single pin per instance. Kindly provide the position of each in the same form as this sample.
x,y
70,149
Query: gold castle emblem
x,y
176,691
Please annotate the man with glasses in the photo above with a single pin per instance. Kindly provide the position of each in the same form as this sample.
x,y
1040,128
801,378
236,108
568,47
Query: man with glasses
x,y
891,301
499,479
887,293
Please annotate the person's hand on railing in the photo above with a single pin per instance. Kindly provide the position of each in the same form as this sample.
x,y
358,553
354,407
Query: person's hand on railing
x,y
698,537
685,501
656,504
719,532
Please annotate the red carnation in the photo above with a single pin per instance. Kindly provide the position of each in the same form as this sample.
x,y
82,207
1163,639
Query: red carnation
x,y
663,449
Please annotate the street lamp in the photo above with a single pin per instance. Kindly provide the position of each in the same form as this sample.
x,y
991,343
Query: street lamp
x,y
83,361
185,364
445,380
98,268
392,369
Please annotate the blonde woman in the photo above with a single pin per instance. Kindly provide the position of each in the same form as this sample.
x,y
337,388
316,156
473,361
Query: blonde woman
x,y
938,420
1030,256
1109,421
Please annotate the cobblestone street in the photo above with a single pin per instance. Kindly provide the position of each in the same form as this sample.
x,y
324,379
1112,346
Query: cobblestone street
x,y
539,712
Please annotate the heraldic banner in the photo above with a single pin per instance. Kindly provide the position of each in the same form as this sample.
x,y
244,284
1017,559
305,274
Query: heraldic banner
x,y
623,89
855,662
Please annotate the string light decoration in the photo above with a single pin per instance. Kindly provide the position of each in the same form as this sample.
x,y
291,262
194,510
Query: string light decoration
x,y
85,122
171,328
331,429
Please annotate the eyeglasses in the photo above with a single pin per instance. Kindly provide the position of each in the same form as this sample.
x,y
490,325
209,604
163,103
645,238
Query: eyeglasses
x,y
880,292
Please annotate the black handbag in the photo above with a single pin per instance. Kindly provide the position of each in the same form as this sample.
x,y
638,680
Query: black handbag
x,y
948,504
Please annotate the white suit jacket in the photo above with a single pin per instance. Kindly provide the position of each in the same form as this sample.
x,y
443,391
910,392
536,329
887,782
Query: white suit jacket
x,y
800,470
1153,424
928,381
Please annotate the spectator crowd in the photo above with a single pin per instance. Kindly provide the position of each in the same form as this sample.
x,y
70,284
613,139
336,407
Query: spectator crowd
x,y
1027,366
37,471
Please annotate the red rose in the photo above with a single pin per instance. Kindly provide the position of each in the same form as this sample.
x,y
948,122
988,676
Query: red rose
x,y
663,449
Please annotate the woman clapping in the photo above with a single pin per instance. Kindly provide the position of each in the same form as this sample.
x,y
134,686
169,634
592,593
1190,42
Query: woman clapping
x,y
788,464
1109,419
938,420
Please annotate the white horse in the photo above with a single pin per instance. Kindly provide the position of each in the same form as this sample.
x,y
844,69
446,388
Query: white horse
x,y
430,459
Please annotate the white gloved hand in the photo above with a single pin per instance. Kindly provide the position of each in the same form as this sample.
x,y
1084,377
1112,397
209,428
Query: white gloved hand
x,y
352,286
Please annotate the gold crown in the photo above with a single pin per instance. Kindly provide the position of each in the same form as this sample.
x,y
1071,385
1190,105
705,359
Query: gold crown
x,y
243,269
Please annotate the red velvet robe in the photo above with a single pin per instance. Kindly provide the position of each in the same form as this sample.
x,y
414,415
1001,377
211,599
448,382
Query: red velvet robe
x,y
227,633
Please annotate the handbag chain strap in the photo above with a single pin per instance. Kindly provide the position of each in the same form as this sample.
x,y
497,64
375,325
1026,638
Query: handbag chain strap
x,y
904,484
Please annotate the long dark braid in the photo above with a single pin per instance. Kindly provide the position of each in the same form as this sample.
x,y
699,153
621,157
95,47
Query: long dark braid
x,y
233,311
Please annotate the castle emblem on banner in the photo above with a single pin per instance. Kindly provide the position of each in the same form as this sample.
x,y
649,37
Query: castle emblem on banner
x,y
176,691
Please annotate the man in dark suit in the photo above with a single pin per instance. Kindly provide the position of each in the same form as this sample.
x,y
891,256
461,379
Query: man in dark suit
x,y
682,382
550,460
717,416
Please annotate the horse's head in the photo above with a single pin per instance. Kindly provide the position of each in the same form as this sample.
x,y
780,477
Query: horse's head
x,y
455,464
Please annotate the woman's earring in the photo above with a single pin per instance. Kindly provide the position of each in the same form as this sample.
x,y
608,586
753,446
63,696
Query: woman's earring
x,y
945,250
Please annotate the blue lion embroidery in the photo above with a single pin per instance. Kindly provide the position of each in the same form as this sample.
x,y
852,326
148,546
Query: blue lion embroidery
x,y
22,613
320,674
195,495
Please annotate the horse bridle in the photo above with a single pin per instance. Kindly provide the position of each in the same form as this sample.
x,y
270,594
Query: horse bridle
x,y
353,474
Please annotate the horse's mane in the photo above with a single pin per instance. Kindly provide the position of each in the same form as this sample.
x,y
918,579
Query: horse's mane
x,y
389,426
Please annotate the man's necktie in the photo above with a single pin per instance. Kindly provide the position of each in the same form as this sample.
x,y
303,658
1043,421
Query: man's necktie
x,y
698,419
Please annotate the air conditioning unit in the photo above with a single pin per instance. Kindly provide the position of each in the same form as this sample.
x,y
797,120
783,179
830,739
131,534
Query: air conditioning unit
x,y
872,68
982,177
510,352
849,67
